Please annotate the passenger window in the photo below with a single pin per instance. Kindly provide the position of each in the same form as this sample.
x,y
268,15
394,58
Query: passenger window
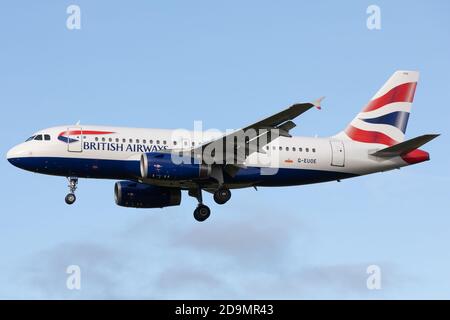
x,y
293,148
174,143
137,140
313,149
117,140
124,140
307,149
144,141
164,142
46,137
38,137
110,139
151,141
103,139
157,141
131,140
300,149
96,138
287,148
281,148
273,147
193,143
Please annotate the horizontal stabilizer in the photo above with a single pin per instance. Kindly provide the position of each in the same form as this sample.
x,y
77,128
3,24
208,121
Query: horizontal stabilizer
x,y
405,147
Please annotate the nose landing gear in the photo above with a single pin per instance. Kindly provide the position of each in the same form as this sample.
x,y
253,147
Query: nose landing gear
x,y
70,197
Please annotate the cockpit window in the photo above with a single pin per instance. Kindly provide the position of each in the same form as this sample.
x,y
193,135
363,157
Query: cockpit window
x,y
39,137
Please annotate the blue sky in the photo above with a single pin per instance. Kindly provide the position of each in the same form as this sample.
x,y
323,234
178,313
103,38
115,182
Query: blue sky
x,y
168,63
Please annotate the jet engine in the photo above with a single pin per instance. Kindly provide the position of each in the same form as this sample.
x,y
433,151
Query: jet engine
x,y
140,195
158,165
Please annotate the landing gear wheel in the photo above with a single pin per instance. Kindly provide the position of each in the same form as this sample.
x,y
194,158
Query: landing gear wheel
x,y
70,198
222,195
73,182
201,213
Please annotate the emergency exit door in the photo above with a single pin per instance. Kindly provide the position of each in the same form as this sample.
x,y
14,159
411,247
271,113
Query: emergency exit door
x,y
74,139
337,153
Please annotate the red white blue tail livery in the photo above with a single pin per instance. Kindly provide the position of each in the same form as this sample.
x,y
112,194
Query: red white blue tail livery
x,y
384,119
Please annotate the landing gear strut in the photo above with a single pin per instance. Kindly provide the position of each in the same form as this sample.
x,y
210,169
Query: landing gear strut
x,y
222,195
70,198
202,212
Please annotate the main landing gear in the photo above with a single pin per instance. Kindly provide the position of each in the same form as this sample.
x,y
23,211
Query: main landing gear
x,y
202,212
222,195
70,198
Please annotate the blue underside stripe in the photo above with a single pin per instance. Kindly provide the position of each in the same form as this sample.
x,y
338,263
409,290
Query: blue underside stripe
x,y
130,170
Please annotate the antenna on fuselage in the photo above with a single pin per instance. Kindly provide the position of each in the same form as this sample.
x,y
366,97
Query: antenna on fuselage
x,y
78,123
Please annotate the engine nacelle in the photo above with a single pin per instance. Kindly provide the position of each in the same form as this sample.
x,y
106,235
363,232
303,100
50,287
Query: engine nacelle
x,y
139,195
158,165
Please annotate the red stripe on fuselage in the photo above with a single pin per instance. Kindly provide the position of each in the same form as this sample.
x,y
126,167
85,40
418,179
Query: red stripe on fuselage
x,y
369,136
87,132
402,93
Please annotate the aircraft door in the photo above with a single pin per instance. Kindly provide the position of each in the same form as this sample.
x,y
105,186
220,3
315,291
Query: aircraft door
x,y
337,153
74,139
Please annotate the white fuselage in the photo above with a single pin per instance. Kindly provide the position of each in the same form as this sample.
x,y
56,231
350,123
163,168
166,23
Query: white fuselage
x,y
102,148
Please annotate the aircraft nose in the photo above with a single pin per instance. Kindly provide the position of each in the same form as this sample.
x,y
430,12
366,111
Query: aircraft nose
x,y
14,154
13,161
11,155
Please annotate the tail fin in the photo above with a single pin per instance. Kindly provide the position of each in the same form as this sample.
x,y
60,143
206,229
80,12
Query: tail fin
x,y
384,119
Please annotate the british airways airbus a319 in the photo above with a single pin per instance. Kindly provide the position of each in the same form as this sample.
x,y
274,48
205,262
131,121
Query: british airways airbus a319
x,y
157,164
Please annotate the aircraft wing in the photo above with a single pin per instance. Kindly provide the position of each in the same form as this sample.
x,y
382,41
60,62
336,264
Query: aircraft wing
x,y
282,117
282,121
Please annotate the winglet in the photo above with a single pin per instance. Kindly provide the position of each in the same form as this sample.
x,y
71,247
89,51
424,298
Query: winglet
x,y
317,103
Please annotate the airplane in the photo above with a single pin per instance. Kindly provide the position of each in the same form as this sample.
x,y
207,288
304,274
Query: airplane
x,y
155,165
